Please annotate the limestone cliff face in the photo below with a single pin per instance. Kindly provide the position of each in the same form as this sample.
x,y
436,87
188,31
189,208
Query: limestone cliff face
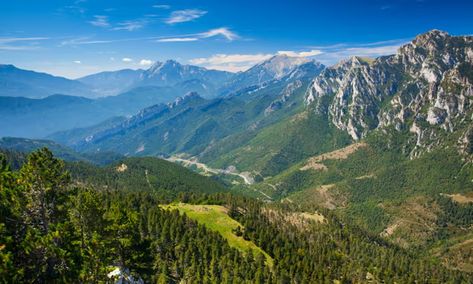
x,y
426,88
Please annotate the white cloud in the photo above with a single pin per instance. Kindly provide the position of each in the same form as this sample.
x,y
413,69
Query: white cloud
x,y
145,62
12,43
82,40
332,55
373,51
231,58
242,62
181,16
162,6
131,25
231,62
127,60
100,21
309,53
177,39
77,62
15,39
225,32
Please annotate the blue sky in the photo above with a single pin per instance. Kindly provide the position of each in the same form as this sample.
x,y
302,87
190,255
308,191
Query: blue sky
x,y
79,37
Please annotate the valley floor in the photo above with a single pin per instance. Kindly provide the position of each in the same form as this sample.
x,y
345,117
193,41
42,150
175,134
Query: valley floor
x,y
208,170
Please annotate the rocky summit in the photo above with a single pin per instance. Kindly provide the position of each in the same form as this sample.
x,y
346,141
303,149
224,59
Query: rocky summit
x,y
426,88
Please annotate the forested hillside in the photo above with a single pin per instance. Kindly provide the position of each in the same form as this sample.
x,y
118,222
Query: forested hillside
x,y
58,229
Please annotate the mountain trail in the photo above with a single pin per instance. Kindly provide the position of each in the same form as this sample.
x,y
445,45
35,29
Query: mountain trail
x,y
147,179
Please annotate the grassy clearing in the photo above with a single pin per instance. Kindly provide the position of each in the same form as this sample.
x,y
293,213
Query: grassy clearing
x,y
462,199
215,218
315,163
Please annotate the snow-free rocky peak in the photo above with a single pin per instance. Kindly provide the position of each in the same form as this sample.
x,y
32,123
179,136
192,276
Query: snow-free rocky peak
x,y
172,72
274,68
280,65
426,87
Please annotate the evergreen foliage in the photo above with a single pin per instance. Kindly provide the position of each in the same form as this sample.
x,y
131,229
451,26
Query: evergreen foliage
x,y
54,229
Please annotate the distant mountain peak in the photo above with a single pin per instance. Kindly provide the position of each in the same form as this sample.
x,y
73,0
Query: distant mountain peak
x,y
172,62
171,73
281,64
166,65
274,68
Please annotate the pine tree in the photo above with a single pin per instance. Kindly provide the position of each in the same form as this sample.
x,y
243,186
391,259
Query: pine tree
x,y
48,238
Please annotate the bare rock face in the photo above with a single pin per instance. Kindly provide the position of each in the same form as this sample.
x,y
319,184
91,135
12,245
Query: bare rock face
x,y
465,142
426,88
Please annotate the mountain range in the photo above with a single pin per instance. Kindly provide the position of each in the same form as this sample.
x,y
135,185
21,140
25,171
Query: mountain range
x,y
191,122
15,82
384,143
128,92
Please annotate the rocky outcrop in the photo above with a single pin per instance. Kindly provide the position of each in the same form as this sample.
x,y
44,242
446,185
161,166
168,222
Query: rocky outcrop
x,y
425,88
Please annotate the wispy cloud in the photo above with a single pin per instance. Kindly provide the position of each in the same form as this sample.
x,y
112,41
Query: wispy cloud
x,y
146,62
161,6
333,54
181,16
100,21
225,32
177,39
20,43
131,25
373,51
16,39
77,62
230,62
83,41
220,32
127,59
75,8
